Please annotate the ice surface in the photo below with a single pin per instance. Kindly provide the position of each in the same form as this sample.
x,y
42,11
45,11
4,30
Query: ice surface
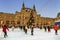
x,y
39,34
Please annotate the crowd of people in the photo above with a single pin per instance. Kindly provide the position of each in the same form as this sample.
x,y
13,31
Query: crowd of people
x,y
25,29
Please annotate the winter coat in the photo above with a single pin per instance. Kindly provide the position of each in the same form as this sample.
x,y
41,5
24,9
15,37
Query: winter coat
x,y
56,27
4,28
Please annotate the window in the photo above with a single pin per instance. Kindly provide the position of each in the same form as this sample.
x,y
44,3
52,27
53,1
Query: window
x,y
12,22
7,22
18,22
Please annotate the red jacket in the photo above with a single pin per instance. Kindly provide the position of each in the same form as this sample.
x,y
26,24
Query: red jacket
x,y
4,28
56,27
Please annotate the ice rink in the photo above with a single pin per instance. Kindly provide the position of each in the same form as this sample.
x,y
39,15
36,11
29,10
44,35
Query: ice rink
x,y
39,34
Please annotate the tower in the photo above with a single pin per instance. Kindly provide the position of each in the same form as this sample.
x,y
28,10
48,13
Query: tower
x,y
23,6
34,8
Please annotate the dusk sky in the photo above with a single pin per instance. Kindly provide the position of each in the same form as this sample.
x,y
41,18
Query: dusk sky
x,y
46,8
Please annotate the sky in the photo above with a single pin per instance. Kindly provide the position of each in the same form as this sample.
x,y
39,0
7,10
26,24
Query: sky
x,y
46,8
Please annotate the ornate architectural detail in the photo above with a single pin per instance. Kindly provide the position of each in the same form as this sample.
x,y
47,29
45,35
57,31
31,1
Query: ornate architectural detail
x,y
21,18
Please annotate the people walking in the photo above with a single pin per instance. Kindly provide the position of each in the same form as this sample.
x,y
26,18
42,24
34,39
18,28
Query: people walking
x,y
5,28
56,28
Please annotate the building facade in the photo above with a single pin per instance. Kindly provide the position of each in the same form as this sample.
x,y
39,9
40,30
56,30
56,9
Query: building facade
x,y
21,18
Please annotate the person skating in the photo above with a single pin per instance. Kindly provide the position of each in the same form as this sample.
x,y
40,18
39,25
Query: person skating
x,y
21,27
56,28
5,28
26,29
48,28
40,27
32,30
45,28
12,28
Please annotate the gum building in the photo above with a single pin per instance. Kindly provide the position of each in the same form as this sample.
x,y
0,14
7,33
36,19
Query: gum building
x,y
21,18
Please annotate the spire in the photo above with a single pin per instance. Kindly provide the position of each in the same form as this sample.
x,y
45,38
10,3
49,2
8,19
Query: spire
x,y
23,6
34,8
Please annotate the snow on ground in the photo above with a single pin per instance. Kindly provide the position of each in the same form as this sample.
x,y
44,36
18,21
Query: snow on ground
x,y
39,34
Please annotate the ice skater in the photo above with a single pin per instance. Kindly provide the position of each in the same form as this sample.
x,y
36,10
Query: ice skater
x,y
20,27
56,28
26,29
5,28
12,28
48,28
45,28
